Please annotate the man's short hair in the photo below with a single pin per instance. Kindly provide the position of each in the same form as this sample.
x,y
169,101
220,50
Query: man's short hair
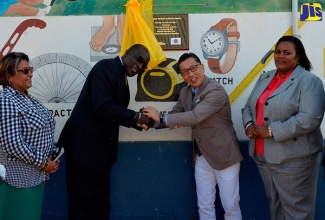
x,y
185,56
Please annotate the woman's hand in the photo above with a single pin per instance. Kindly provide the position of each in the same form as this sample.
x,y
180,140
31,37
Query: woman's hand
x,y
251,132
262,131
52,166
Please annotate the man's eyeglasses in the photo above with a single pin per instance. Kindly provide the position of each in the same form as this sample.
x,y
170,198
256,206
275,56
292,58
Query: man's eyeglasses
x,y
140,59
26,70
193,68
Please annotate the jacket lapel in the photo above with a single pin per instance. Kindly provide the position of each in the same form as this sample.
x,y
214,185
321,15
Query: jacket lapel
x,y
264,83
200,91
189,102
288,82
268,78
188,98
124,85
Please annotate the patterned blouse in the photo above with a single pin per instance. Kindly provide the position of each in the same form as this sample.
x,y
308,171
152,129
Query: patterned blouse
x,y
26,138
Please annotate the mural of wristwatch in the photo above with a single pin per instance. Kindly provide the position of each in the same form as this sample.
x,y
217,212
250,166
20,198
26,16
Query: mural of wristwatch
x,y
221,39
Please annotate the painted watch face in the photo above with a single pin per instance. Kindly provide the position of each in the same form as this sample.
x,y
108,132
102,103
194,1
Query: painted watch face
x,y
213,42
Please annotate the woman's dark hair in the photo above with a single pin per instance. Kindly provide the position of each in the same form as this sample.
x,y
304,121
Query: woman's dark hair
x,y
184,57
300,51
8,66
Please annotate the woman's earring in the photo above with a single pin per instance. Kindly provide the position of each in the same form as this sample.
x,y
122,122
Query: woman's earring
x,y
10,83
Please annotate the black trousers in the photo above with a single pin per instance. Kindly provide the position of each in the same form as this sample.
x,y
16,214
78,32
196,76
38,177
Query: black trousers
x,y
88,191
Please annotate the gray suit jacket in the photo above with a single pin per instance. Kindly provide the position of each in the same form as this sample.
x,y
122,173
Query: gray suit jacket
x,y
294,111
211,123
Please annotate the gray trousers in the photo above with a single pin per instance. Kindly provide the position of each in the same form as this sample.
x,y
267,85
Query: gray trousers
x,y
290,187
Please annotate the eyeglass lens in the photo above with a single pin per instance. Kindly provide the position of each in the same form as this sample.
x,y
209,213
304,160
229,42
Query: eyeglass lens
x,y
193,68
26,70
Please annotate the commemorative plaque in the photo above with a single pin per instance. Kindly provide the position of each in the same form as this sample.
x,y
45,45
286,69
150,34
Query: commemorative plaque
x,y
171,31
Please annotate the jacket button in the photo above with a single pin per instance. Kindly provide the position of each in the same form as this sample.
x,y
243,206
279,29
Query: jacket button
x,y
295,139
266,119
266,103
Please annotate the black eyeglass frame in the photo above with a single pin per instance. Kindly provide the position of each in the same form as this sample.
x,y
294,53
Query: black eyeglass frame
x,y
192,68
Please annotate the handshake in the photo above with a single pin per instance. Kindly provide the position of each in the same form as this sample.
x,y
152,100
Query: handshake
x,y
146,117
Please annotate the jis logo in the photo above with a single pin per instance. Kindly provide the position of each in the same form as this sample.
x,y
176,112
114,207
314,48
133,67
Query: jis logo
x,y
310,12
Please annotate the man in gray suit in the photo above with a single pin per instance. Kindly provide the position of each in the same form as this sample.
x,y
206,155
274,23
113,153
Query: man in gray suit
x,y
204,105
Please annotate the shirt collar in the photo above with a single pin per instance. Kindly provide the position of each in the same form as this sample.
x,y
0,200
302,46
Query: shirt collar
x,y
194,90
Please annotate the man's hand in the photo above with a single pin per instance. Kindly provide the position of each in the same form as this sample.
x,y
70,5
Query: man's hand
x,y
144,121
144,127
152,113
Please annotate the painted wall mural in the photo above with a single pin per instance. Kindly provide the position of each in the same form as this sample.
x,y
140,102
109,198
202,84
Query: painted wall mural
x,y
58,77
25,8
116,7
63,49
106,39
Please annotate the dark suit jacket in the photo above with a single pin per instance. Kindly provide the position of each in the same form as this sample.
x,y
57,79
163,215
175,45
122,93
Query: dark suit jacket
x,y
90,136
211,123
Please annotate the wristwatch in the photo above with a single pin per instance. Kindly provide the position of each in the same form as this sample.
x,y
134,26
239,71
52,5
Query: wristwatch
x,y
161,117
221,39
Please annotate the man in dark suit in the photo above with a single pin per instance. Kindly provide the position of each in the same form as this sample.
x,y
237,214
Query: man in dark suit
x,y
204,105
90,136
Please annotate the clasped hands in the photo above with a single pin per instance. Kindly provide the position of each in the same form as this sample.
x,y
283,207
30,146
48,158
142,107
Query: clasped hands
x,y
253,131
146,117
52,166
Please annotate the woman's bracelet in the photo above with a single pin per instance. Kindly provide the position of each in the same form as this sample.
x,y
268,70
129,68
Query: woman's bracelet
x,y
249,124
270,131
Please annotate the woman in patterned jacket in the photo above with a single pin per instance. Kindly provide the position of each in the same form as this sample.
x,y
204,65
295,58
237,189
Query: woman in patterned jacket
x,y
26,141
